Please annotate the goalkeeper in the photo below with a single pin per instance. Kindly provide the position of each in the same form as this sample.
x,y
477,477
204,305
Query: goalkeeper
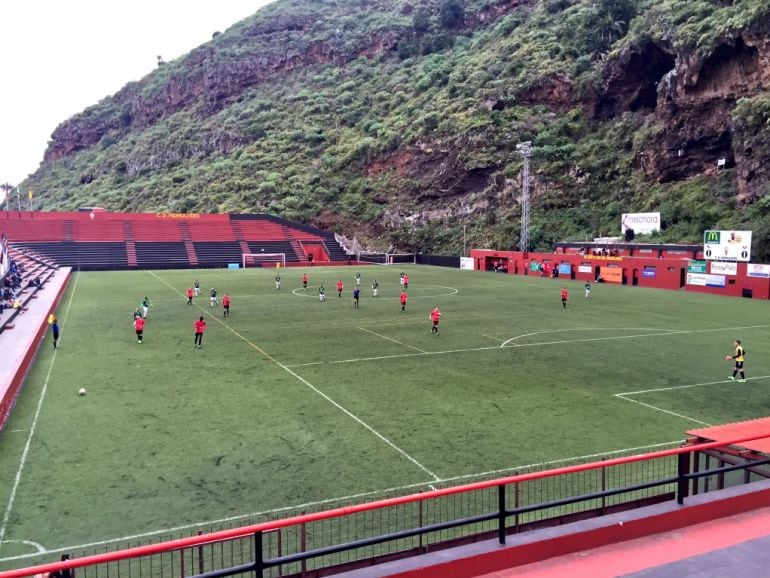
x,y
738,357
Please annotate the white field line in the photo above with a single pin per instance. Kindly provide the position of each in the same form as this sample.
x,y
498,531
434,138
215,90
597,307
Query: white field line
x,y
312,387
343,499
492,337
505,343
25,453
301,292
626,396
641,391
391,339
656,408
511,346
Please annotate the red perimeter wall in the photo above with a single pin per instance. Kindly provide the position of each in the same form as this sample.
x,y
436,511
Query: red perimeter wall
x,y
658,273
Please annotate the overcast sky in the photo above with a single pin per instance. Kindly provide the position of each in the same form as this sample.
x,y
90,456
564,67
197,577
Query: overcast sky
x,y
61,56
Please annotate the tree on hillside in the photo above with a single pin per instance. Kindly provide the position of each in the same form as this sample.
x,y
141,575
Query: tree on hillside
x,y
421,21
451,13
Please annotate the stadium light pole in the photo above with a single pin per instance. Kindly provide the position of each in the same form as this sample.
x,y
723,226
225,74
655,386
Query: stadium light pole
x,y
524,150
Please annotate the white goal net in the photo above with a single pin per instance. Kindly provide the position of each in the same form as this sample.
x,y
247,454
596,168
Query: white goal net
x,y
264,260
387,258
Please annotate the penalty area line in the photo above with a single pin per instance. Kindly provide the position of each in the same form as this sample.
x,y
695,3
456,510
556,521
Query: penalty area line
x,y
391,339
429,484
642,391
656,408
310,386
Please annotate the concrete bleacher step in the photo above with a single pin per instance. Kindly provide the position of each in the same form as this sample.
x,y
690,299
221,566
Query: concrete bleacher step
x,y
192,256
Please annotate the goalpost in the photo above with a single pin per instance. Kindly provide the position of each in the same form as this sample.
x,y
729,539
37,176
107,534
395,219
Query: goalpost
x,y
387,258
264,260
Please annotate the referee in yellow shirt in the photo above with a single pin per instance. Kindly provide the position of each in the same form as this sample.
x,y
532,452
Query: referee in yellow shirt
x,y
738,357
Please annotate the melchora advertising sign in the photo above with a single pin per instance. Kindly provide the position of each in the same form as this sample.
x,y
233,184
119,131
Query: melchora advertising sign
x,y
641,223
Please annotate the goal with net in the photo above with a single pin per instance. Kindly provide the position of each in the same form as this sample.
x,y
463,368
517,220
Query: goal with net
x,y
387,258
264,260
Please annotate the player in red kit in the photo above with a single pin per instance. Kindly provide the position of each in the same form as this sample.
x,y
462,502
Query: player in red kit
x,y
304,281
340,286
564,297
406,281
226,305
200,327
190,294
435,316
139,327
403,300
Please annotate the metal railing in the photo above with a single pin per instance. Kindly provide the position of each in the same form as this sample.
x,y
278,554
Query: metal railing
x,y
313,543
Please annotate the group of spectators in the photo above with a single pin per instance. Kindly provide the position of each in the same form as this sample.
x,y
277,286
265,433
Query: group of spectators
x,y
13,284
600,252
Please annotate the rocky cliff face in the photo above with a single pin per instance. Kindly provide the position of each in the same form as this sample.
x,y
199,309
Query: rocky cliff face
x,y
691,99
398,120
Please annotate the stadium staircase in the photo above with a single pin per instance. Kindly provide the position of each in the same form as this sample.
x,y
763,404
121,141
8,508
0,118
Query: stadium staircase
x,y
238,232
189,246
128,232
296,245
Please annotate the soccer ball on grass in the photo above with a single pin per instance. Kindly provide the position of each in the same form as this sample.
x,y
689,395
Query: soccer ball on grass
x,y
82,391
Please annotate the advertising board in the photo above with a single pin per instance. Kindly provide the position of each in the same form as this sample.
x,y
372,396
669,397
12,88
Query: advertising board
x,y
724,267
612,274
641,223
466,263
727,245
757,270
703,280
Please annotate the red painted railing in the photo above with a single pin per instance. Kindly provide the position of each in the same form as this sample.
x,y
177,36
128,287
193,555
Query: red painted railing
x,y
247,531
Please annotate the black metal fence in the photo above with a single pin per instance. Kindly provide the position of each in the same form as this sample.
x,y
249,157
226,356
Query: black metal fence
x,y
319,545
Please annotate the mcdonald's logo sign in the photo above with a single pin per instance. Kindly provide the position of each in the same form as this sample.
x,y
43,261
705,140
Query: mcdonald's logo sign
x,y
711,237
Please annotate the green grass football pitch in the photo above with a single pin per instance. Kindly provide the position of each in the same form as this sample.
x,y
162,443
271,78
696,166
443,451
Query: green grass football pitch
x,y
293,404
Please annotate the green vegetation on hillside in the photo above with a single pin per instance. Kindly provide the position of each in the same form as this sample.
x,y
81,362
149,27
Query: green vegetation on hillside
x,y
397,123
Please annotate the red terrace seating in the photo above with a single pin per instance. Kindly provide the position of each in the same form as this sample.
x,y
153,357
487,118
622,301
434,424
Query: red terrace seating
x,y
262,231
33,229
97,231
203,231
158,230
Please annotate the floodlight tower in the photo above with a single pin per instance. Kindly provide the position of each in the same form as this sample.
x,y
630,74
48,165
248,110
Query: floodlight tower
x,y
524,150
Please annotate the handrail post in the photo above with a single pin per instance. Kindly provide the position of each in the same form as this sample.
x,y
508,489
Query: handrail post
x,y
501,513
259,560
683,468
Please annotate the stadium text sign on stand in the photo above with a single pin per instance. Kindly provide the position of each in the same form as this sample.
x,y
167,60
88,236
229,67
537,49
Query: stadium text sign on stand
x,y
640,223
727,245
757,270
724,267
702,280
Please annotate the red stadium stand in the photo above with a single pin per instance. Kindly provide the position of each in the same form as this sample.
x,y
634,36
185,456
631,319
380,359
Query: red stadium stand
x,y
103,240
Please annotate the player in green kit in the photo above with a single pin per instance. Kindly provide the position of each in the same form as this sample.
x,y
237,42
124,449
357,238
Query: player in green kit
x,y
321,294
277,281
375,288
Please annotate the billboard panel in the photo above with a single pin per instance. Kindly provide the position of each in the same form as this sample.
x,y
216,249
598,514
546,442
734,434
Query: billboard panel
x,y
703,280
641,223
724,267
757,270
466,263
696,267
565,269
585,269
612,274
727,245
